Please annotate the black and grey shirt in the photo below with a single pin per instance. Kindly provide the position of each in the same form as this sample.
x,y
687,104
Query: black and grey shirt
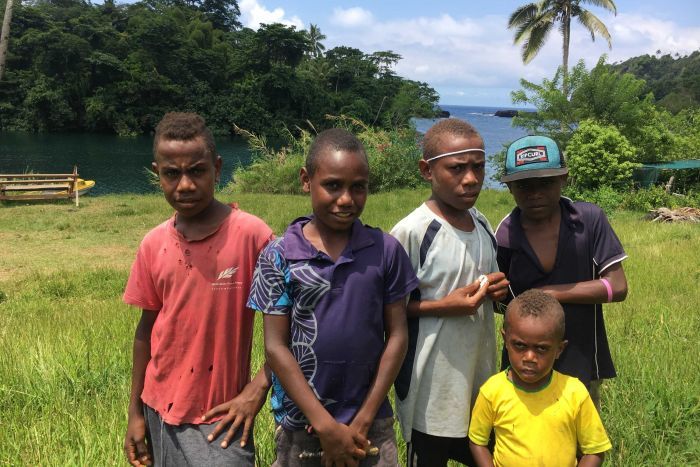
x,y
587,247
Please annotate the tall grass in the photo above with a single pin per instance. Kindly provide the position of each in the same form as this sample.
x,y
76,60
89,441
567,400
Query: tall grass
x,y
65,336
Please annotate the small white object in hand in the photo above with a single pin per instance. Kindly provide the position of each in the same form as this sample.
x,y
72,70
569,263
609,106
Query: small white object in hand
x,y
483,280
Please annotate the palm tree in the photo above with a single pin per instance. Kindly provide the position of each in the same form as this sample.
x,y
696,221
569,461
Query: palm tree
x,y
5,36
315,37
534,21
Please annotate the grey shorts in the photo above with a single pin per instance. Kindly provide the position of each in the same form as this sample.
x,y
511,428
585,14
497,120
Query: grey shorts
x,y
292,443
186,445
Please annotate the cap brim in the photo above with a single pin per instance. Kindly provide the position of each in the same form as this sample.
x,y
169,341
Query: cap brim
x,y
534,174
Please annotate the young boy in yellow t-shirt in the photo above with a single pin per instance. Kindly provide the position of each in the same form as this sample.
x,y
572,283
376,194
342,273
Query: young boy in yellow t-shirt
x,y
540,416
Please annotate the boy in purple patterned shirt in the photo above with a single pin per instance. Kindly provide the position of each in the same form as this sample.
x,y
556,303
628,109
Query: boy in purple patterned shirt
x,y
333,292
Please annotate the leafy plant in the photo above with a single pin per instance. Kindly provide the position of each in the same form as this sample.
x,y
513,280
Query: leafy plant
x,y
392,154
599,155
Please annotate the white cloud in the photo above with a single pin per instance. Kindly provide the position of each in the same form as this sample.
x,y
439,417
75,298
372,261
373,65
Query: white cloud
x,y
636,34
253,14
352,17
459,53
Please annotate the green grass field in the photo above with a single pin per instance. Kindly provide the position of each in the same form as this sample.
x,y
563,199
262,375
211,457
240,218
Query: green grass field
x,y
65,336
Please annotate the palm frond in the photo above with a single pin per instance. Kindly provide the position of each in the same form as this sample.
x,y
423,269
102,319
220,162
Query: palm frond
x,y
605,4
521,33
535,41
522,15
594,25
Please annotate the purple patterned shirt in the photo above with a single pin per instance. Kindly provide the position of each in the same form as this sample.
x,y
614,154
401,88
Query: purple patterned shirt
x,y
336,312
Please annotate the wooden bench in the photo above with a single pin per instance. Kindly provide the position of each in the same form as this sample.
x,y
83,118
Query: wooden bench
x,y
17,187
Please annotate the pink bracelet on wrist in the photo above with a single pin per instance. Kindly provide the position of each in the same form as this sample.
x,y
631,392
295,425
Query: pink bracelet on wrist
x,y
606,283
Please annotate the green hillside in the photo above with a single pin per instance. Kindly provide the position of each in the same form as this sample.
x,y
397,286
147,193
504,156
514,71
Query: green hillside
x,y
674,80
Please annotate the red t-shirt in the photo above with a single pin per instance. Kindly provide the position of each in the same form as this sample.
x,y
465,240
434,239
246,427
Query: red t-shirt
x,y
202,337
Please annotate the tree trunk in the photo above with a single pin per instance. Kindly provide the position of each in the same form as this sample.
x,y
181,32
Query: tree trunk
x,y
5,36
566,32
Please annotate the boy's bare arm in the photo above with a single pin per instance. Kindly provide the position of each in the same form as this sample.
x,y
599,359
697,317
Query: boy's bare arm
x,y
463,301
389,365
340,445
592,460
481,454
242,409
135,440
593,291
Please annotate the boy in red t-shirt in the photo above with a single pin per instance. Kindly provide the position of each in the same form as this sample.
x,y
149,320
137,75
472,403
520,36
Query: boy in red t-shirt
x,y
191,277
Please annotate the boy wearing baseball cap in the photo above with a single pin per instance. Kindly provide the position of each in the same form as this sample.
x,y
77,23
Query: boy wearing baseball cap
x,y
567,249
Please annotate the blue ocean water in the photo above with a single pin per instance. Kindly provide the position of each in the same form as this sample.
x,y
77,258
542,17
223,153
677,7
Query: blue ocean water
x,y
495,131
118,164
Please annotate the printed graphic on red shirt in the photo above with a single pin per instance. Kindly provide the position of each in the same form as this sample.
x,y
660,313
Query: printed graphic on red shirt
x,y
225,280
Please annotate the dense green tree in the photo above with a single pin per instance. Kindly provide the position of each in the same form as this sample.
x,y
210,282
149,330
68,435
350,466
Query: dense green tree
x,y
675,82
534,21
118,67
5,35
601,94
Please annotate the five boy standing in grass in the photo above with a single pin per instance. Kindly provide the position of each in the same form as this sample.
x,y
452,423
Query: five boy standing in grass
x,y
334,297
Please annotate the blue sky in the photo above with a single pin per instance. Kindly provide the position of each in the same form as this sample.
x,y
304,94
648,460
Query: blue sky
x,y
464,50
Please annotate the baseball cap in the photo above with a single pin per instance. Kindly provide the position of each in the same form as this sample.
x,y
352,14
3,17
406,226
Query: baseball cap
x,y
531,157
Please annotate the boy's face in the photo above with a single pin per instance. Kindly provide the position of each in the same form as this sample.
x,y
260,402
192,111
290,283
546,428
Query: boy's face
x,y
533,345
338,188
187,174
537,198
456,180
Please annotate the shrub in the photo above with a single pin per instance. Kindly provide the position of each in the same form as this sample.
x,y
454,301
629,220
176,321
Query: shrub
x,y
644,199
599,155
393,160
605,196
656,197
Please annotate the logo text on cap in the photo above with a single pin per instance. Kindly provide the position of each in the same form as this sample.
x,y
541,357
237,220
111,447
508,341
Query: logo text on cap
x,y
531,155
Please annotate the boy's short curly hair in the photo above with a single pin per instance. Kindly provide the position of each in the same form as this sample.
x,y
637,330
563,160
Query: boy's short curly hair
x,y
436,134
537,304
337,139
184,126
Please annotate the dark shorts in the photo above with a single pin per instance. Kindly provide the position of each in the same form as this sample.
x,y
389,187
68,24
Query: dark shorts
x,y
290,444
187,445
434,451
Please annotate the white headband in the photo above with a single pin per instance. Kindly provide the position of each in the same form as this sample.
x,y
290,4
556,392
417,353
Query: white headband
x,y
454,153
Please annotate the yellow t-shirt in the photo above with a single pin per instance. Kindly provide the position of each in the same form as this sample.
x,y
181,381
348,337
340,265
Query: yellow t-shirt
x,y
541,428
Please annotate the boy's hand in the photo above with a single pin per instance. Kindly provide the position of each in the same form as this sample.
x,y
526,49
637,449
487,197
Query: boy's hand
x,y
342,446
498,286
358,425
242,409
135,441
465,300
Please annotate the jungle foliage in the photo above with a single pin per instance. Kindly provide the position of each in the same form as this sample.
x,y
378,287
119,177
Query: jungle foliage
x,y
674,80
74,65
392,154
608,123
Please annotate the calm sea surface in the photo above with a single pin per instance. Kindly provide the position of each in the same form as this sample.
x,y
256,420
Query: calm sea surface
x,y
496,131
117,164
